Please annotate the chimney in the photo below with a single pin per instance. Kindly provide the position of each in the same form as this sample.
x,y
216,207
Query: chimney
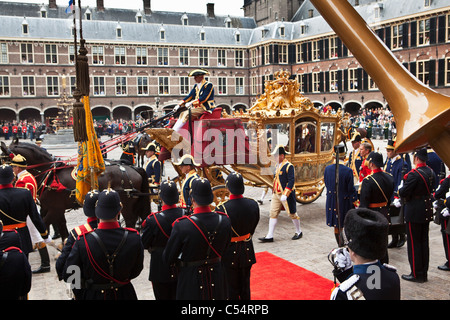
x,y
52,4
147,5
100,5
210,10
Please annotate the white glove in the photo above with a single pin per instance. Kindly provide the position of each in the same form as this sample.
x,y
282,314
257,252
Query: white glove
x,y
49,239
283,198
435,204
445,213
343,260
189,104
176,107
397,203
400,185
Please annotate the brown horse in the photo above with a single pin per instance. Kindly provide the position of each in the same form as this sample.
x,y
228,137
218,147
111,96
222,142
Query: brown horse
x,y
141,141
56,185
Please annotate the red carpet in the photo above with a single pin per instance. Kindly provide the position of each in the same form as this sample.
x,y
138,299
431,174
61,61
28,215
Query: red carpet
x,y
273,278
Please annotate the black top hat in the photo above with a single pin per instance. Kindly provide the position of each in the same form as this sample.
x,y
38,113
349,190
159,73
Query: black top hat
x,y
198,72
19,161
150,147
90,200
376,158
235,183
169,192
422,154
108,204
6,174
367,233
201,191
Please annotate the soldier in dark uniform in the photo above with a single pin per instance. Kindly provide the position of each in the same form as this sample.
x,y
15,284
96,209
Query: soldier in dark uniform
x,y
156,230
441,205
418,211
153,165
354,158
240,256
377,189
15,272
197,244
347,195
15,205
367,235
90,200
397,166
438,166
109,257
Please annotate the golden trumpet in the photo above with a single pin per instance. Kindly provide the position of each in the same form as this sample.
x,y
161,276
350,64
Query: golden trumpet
x,y
422,115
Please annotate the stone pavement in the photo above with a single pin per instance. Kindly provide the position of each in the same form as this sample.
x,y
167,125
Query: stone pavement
x,y
310,252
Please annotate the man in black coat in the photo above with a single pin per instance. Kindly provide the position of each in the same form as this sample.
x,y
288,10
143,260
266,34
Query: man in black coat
x,y
156,230
105,260
358,268
441,205
197,244
15,205
240,255
418,211
15,272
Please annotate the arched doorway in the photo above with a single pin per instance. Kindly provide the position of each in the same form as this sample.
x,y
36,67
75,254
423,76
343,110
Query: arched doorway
x,y
7,115
352,107
100,113
144,112
121,112
30,114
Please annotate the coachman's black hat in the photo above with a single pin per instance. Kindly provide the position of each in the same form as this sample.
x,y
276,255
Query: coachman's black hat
x,y
168,192
187,160
376,158
367,233
90,200
201,191
108,204
280,149
19,161
235,183
6,174
198,72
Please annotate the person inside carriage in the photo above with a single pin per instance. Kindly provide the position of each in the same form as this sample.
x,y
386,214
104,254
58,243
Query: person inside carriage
x,y
199,101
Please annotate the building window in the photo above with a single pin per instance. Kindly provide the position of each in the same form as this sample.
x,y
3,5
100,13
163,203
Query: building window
x,y
184,85
352,80
184,56
184,20
51,54
202,35
25,29
163,85
163,56
73,84
448,28
203,57
238,37
283,54
316,81
301,84
239,85
423,71
4,86
333,81
142,85
121,86
98,55
423,32
315,51
372,84
119,55
222,85
52,86
43,13
26,51
333,47
141,55
253,57
397,36
447,71
71,54
99,86
28,86
88,16
221,58
119,32
3,53
282,32
267,54
162,34
427,3
239,58
254,82
299,52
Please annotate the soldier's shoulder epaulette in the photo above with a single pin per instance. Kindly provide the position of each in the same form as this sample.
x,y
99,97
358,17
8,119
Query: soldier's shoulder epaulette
x,y
350,282
389,267
221,212
79,231
179,219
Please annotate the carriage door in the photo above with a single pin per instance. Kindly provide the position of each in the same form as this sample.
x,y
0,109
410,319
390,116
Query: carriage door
x,y
305,136
327,133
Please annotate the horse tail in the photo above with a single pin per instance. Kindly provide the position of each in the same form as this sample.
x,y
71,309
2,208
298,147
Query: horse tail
x,y
144,202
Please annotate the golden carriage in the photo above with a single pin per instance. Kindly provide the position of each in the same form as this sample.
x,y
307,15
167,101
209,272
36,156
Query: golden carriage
x,y
243,141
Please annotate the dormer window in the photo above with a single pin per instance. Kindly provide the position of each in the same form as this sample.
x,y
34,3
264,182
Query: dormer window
x,y
202,35
282,31
139,18
118,31
237,36
162,33
25,29
303,27
43,12
228,22
184,20
88,14
427,3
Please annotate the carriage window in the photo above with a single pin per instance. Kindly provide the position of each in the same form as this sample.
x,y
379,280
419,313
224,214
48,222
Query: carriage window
x,y
277,134
327,136
305,135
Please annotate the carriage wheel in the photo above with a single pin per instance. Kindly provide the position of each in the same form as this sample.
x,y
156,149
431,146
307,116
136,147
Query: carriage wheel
x,y
221,194
309,196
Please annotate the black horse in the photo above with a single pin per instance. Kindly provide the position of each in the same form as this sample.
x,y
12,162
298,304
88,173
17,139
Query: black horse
x,y
57,185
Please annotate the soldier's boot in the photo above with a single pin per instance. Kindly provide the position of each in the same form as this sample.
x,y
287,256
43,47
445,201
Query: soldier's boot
x,y
394,242
45,259
402,240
